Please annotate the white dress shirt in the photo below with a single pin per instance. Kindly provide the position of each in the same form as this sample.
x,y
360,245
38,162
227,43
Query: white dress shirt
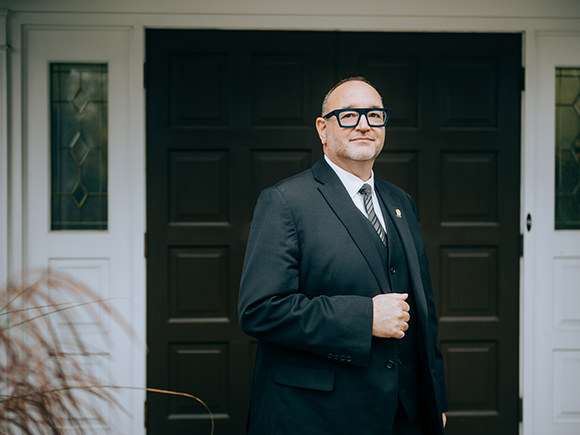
x,y
353,184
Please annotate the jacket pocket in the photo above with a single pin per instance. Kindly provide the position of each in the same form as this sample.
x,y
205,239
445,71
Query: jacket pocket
x,y
303,377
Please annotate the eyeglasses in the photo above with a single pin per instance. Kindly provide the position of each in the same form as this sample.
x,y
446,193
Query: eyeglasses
x,y
349,118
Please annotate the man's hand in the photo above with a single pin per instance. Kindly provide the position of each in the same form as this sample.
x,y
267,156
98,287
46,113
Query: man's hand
x,y
444,417
390,315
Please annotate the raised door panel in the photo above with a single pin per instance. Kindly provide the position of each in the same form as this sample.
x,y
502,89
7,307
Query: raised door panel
x,y
469,188
469,282
469,92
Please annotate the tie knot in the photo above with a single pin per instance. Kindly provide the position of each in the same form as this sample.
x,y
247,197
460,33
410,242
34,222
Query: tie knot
x,y
365,189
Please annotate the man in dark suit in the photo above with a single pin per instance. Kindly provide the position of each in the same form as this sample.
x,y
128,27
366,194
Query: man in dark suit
x,y
336,287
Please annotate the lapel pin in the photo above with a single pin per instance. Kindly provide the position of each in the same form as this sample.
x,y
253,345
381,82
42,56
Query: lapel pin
x,y
398,213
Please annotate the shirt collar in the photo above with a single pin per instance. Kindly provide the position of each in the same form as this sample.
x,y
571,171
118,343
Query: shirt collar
x,y
350,181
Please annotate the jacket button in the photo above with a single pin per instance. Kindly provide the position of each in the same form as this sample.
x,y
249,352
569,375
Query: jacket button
x,y
393,270
348,359
389,364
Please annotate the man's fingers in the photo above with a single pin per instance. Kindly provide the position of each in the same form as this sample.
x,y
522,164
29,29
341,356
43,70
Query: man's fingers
x,y
401,333
390,315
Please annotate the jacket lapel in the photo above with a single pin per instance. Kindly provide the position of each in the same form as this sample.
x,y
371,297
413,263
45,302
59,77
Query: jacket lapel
x,y
395,209
353,220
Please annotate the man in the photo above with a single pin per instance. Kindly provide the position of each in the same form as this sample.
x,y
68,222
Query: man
x,y
336,287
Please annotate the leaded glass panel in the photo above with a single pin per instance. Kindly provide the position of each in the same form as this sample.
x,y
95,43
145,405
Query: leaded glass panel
x,y
79,146
567,148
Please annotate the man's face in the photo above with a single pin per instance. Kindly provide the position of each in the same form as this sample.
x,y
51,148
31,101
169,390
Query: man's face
x,y
361,143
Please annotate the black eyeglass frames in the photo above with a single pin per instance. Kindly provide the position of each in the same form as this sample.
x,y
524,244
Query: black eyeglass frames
x,y
349,118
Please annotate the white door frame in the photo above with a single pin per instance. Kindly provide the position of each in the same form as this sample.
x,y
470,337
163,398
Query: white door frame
x,y
550,332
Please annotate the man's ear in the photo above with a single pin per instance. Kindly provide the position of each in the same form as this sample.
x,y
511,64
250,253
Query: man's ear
x,y
321,128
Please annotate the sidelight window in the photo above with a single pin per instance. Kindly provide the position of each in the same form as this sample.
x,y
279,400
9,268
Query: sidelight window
x,y
567,148
79,146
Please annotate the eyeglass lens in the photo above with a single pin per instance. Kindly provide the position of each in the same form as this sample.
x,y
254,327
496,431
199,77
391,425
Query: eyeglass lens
x,y
375,118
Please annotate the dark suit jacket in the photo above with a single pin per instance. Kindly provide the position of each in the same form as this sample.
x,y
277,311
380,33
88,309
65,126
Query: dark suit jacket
x,y
311,269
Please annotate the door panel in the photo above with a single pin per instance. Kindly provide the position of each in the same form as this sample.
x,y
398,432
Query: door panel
x,y
232,112
552,332
455,148
96,258
216,138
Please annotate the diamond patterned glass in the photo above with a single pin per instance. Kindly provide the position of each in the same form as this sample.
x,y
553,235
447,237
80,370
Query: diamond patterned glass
x,y
79,146
567,148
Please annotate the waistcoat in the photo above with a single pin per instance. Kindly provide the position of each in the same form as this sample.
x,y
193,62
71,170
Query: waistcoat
x,y
400,282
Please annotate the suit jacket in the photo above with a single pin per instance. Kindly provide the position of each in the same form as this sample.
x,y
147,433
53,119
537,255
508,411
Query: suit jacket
x,y
311,269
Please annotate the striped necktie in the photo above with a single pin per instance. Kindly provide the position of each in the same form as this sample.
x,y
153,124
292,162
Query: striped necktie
x,y
365,191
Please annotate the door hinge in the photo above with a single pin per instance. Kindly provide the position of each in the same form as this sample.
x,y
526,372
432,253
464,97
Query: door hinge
x,y
146,245
521,245
522,79
520,409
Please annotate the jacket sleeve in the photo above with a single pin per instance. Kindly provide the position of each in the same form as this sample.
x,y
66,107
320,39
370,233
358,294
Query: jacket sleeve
x,y
274,308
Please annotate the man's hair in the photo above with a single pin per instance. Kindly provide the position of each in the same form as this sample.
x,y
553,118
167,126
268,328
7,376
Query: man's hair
x,y
346,80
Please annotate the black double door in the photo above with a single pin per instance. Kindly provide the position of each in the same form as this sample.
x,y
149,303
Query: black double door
x,y
231,112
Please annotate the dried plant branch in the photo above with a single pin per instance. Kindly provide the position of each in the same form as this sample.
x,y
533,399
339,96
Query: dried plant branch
x,y
57,308
190,396
120,387
40,366
41,348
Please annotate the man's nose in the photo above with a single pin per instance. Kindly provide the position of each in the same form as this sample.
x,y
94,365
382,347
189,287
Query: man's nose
x,y
363,123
